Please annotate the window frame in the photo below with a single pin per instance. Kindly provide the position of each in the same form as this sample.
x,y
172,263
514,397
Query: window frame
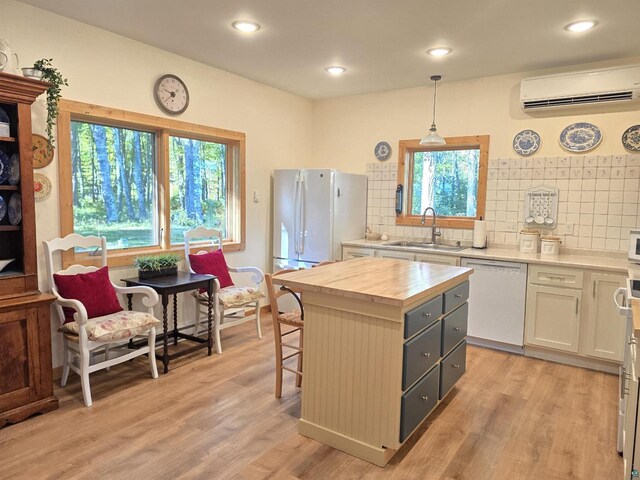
x,y
163,128
405,178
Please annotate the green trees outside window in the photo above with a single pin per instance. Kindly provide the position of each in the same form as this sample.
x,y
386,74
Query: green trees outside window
x,y
113,181
114,185
197,174
446,180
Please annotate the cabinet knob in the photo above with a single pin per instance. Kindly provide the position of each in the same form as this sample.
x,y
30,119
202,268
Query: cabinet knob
x,y
426,354
425,398
456,329
455,366
427,314
458,295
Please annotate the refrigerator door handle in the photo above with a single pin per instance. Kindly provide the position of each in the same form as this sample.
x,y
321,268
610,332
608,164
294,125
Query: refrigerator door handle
x,y
301,218
295,213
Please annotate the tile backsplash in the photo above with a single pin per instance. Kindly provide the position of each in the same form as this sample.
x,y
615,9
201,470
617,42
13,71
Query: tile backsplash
x,y
598,199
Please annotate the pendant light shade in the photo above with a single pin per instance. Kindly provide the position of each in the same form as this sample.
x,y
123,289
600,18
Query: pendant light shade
x,y
433,138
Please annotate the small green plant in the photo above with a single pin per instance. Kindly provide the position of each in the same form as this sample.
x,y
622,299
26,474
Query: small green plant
x,y
54,92
156,262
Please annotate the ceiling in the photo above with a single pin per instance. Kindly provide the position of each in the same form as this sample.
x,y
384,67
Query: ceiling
x,y
382,43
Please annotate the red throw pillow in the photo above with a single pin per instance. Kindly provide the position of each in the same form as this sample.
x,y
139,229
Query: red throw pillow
x,y
93,290
212,263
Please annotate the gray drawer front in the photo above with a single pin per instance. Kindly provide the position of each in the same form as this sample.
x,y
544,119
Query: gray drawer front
x,y
454,328
418,402
452,368
421,316
420,354
456,296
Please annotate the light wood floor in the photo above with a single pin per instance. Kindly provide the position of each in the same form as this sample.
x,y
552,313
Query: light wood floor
x,y
510,417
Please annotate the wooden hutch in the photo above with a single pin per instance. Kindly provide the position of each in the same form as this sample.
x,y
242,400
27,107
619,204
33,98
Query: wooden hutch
x,y
26,386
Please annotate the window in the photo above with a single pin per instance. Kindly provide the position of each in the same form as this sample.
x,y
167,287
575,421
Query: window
x,y
142,181
450,178
113,182
197,174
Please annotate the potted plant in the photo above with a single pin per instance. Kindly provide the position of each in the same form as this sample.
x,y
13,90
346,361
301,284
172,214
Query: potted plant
x,y
157,265
43,69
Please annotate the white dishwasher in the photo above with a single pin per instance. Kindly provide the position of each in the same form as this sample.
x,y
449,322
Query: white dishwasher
x,y
497,293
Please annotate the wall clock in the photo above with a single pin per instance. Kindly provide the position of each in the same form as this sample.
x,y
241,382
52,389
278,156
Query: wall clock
x,y
171,94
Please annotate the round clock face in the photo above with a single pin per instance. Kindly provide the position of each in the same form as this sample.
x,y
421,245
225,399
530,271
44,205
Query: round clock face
x,y
171,94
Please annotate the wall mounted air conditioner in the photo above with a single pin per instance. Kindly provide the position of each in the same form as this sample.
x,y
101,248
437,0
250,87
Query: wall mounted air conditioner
x,y
607,86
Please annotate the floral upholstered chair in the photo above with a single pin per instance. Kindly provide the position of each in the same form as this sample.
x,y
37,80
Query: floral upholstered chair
x,y
231,300
92,321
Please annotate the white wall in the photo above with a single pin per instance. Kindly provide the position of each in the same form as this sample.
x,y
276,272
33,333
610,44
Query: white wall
x,y
346,129
107,69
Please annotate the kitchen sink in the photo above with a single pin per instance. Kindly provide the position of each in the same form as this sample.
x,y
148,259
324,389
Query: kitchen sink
x,y
426,246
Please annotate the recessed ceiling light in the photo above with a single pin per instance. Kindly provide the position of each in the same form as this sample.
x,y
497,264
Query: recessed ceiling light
x,y
335,70
246,26
581,26
439,51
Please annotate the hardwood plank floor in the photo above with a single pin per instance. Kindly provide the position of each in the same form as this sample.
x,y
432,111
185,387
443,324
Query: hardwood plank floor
x,y
510,417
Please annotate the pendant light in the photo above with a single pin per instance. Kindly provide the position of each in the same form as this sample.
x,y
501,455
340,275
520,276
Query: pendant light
x,y
433,138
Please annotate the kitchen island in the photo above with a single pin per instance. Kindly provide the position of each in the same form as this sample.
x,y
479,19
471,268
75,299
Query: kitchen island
x,y
384,342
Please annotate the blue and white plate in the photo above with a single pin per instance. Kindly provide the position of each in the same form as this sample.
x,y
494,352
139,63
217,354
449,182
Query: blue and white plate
x,y
631,138
14,169
382,151
526,143
4,167
580,137
15,209
3,208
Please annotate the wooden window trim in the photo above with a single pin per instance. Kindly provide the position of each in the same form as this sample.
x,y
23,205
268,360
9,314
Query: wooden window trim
x,y
163,129
406,150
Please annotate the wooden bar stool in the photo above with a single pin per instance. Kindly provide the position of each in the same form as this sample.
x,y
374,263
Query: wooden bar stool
x,y
293,319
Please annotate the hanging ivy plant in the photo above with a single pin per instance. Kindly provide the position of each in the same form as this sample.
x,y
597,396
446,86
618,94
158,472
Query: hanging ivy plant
x,y
54,92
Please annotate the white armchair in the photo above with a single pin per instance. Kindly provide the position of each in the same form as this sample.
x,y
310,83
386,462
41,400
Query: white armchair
x,y
231,302
105,336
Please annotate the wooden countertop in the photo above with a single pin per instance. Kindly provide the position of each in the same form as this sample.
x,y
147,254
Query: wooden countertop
x,y
381,280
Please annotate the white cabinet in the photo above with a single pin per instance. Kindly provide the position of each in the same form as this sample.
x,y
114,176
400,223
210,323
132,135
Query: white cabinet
x,y
553,317
352,252
437,259
604,326
395,254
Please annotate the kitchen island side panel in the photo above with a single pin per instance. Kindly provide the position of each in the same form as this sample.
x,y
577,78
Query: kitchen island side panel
x,y
352,373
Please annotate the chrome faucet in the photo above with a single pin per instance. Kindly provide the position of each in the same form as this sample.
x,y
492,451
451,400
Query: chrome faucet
x,y
434,229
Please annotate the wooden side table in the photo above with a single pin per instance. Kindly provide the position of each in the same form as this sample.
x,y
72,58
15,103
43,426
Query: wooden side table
x,y
172,285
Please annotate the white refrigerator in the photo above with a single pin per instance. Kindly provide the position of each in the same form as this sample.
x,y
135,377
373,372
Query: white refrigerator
x,y
314,210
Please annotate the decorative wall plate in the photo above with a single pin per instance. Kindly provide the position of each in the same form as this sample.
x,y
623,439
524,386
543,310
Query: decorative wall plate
x,y
526,143
42,151
14,169
580,137
382,151
631,138
3,208
15,209
41,186
4,167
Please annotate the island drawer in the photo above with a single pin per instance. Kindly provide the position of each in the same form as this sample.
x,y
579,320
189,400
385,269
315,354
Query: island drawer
x,y
418,318
456,296
418,402
454,328
452,367
420,354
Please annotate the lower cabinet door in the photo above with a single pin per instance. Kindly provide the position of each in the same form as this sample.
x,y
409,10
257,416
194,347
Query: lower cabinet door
x,y
452,367
418,401
553,317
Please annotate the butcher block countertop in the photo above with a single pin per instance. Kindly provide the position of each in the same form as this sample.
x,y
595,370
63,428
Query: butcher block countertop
x,y
381,280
